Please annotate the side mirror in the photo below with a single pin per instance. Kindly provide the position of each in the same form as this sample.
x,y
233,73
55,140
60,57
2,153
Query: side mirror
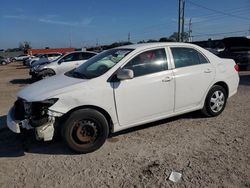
x,y
61,61
125,74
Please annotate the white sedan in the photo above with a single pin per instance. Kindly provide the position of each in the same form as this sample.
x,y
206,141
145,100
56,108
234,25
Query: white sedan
x,y
62,64
124,87
22,57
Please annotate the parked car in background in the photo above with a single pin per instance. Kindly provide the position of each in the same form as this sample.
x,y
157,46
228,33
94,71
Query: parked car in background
x,y
43,58
122,88
22,57
26,62
4,61
237,48
63,64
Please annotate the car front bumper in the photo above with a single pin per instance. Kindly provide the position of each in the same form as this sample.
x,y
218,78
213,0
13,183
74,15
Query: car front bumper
x,y
44,132
11,123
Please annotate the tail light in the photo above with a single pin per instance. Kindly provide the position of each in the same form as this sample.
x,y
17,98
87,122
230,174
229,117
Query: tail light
x,y
236,67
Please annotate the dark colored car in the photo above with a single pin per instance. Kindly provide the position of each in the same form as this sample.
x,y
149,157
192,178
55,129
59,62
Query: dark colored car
x,y
237,48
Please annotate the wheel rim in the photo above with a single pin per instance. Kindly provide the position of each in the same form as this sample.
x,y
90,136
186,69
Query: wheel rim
x,y
84,132
217,101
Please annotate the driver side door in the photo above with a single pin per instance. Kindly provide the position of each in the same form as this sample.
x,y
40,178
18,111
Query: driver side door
x,y
150,94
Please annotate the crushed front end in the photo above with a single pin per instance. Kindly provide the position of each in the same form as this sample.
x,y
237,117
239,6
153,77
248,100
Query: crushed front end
x,y
33,115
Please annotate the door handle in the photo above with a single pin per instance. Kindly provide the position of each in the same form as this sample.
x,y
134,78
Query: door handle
x,y
207,71
167,79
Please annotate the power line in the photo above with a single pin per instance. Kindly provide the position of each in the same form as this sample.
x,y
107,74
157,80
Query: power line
x,y
241,10
214,34
217,11
209,19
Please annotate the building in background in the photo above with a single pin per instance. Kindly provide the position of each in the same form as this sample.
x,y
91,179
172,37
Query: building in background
x,y
49,50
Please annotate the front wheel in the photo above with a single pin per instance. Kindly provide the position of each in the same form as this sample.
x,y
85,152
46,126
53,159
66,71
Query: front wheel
x,y
46,73
215,101
3,63
85,130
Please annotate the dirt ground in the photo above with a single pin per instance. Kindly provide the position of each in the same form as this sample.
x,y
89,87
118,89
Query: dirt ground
x,y
209,152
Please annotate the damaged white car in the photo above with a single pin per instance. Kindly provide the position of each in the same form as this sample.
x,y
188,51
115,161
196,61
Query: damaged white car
x,y
124,87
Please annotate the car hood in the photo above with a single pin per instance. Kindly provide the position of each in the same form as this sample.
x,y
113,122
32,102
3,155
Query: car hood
x,y
49,88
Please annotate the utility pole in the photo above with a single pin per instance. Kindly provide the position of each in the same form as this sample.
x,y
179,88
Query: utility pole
x,y
181,20
97,42
190,31
70,37
129,37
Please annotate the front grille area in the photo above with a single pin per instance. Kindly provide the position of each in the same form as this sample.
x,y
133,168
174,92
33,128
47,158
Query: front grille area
x,y
19,112
35,113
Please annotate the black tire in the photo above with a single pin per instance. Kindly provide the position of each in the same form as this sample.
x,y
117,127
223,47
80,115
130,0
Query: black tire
x,y
46,73
3,63
212,102
93,128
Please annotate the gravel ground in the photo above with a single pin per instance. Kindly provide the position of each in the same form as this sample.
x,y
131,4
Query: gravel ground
x,y
209,152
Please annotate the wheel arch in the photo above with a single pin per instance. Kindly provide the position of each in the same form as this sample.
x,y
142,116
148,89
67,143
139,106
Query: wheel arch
x,y
49,69
99,109
46,69
224,85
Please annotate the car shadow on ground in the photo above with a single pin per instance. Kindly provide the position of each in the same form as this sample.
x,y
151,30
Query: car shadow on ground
x,y
17,145
22,81
23,67
3,121
245,80
191,115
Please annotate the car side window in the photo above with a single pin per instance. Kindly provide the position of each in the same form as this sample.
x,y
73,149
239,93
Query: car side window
x,y
148,62
184,57
69,57
86,55
53,55
203,60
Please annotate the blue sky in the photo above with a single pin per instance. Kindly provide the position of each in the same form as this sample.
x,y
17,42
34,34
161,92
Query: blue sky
x,y
80,23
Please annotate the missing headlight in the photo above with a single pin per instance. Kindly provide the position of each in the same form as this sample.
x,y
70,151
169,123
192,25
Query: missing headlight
x,y
39,114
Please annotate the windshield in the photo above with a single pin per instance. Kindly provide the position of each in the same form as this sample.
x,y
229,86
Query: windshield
x,y
99,64
57,58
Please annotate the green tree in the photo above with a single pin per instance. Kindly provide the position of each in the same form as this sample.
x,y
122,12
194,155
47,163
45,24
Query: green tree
x,y
174,37
24,46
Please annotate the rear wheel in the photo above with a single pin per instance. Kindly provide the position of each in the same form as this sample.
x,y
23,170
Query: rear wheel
x,y
215,101
85,130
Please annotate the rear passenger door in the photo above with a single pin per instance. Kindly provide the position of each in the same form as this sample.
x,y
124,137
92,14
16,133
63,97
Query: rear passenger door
x,y
193,76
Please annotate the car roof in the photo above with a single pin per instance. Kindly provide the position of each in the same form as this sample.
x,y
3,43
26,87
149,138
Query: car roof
x,y
81,52
156,44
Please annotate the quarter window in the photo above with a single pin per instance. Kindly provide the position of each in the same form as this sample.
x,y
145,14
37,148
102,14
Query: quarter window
x,y
184,57
148,62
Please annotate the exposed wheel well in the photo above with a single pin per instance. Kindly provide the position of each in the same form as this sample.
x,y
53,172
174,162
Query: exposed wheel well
x,y
102,111
224,85
49,70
